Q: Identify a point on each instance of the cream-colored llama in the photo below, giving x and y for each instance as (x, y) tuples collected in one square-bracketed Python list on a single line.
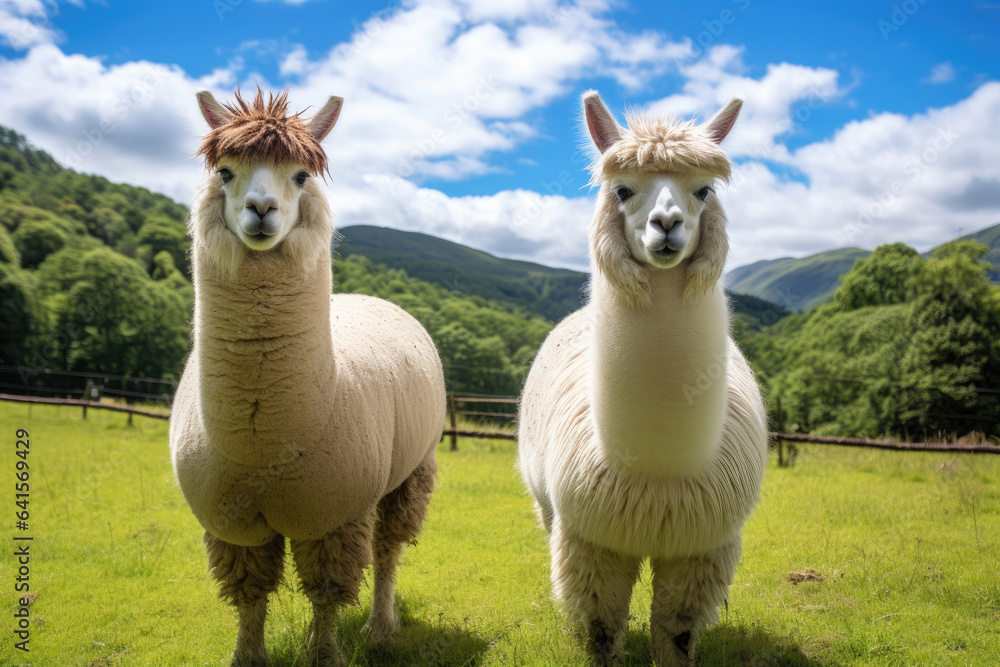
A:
[(300, 415), (642, 429)]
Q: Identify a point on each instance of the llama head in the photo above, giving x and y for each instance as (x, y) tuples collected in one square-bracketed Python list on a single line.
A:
[(657, 207), (263, 162)]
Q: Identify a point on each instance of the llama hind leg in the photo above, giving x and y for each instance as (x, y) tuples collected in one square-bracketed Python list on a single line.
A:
[(331, 569), (399, 519), (594, 585), (247, 576), (687, 594)]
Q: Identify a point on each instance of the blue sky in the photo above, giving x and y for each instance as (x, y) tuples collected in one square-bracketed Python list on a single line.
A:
[(843, 105)]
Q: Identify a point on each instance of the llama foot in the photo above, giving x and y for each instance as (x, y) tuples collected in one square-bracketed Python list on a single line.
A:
[(674, 652), (605, 644), (325, 652), (249, 659), (381, 628)]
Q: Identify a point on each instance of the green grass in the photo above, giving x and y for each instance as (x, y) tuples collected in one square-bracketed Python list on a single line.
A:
[(907, 544)]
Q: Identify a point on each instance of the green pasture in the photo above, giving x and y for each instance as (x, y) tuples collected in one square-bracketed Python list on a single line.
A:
[(907, 545)]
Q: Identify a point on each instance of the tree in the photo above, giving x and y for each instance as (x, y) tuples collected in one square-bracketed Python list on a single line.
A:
[(883, 278), (37, 239)]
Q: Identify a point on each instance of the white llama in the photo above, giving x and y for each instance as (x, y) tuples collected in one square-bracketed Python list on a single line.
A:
[(628, 451), (300, 415)]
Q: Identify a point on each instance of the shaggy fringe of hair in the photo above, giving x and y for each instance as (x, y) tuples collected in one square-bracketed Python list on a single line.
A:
[(657, 145), (262, 131), (650, 144), (214, 242)]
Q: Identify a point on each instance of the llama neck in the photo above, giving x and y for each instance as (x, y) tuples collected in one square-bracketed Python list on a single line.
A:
[(659, 381), (263, 343)]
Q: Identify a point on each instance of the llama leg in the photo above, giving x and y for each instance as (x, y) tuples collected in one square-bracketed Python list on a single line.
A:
[(594, 585), (247, 576), (687, 594), (399, 519), (331, 570)]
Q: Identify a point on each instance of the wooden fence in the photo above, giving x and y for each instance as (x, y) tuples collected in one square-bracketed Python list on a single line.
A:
[(86, 404), (454, 401)]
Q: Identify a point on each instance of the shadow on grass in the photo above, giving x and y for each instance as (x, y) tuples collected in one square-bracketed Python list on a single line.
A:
[(732, 646), (742, 645), (419, 642)]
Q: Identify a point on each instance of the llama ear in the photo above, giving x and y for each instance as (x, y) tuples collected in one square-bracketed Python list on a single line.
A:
[(723, 122), (215, 114), (600, 123), (321, 124)]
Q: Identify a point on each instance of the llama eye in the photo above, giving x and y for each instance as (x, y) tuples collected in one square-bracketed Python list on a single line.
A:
[(701, 194), (623, 193), (226, 174), (300, 178)]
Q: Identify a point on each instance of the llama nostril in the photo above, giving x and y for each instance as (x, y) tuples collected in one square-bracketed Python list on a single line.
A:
[(261, 204), (665, 224)]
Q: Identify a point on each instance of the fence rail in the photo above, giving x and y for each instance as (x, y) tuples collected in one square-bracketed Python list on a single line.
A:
[(454, 432), (85, 404)]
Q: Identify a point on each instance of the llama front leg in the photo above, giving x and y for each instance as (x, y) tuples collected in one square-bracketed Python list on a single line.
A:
[(595, 586), (331, 569), (399, 519), (687, 594), (247, 575)]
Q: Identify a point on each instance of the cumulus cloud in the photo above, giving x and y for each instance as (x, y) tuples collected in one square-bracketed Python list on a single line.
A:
[(921, 179), (26, 23), (435, 89)]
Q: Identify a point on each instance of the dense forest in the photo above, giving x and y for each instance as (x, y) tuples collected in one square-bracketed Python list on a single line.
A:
[(94, 277)]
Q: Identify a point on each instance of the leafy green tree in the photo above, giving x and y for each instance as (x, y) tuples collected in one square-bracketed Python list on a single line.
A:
[(884, 278), (37, 239), (163, 234), (21, 319), (8, 250), (121, 321)]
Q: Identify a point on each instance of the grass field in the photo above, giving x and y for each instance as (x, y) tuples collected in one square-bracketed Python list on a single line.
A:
[(908, 545)]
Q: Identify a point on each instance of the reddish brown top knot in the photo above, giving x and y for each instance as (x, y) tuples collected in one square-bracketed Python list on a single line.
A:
[(262, 131)]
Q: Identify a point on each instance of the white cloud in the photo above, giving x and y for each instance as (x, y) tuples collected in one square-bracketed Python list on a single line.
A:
[(942, 73), (436, 88), (920, 179), (25, 23), (774, 105)]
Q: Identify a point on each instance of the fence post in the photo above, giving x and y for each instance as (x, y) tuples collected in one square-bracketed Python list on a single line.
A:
[(781, 429), (451, 410), (84, 410)]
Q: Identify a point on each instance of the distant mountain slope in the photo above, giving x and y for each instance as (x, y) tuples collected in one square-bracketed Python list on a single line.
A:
[(800, 284), (796, 284), (553, 293)]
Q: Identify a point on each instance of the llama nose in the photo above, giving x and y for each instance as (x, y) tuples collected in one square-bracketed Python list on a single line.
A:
[(666, 221), (261, 203)]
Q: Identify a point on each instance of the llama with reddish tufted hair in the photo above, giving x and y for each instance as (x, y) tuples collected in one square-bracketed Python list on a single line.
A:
[(301, 415)]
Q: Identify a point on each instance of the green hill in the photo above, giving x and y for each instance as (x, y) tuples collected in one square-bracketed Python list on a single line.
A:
[(553, 293), (800, 284), (796, 284)]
